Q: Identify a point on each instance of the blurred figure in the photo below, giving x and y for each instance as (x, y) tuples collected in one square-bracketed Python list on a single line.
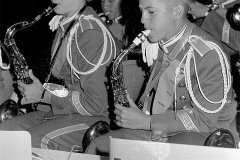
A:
[(216, 22), (123, 19)]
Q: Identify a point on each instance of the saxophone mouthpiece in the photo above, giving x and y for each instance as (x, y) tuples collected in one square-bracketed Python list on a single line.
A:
[(141, 37), (146, 32), (107, 13), (46, 12)]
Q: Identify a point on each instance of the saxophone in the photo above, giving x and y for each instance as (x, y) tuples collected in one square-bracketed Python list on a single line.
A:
[(117, 81), (20, 67), (10, 108), (119, 92)]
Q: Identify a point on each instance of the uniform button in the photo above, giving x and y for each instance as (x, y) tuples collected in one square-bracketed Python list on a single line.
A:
[(181, 71), (183, 98), (182, 85)]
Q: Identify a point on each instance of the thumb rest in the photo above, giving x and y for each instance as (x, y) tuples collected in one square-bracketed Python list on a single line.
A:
[(117, 79)]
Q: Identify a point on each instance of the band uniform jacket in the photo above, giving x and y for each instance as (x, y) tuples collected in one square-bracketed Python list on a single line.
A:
[(211, 82), (88, 93)]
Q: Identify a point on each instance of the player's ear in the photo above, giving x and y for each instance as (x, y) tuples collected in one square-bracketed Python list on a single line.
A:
[(178, 11)]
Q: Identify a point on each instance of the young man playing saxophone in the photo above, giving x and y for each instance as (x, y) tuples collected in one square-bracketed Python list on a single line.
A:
[(192, 97), (85, 52)]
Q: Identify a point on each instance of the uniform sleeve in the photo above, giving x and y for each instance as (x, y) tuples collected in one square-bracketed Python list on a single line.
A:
[(2, 94), (190, 117), (215, 24), (88, 93), (6, 85)]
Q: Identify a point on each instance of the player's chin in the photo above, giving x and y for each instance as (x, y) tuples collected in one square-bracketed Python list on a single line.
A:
[(152, 38)]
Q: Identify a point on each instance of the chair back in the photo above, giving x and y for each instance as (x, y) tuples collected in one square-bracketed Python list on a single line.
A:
[(134, 78)]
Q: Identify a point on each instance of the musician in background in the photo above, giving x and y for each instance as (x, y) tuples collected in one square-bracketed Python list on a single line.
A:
[(189, 93), (216, 23), (123, 19), (86, 50)]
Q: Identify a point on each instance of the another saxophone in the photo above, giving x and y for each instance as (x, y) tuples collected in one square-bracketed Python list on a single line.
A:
[(20, 67), (10, 108), (117, 80)]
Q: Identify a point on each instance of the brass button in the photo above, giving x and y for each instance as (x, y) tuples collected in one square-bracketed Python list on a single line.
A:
[(181, 71), (183, 98), (182, 85)]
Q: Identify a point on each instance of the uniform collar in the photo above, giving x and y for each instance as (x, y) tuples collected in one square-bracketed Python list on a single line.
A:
[(117, 19), (104, 17), (169, 45)]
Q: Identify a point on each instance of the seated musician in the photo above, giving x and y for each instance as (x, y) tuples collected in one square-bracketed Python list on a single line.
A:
[(83, 49), (189, 93)]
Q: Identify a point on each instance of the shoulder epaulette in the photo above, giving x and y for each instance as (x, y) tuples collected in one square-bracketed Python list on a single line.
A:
[(84, 24), (200, 45)]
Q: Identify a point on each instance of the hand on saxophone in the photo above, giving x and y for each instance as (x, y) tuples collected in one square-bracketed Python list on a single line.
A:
[(31, 92), (132, 117)]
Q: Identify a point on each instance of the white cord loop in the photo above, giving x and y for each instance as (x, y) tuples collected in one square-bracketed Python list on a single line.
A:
[(54, 23), (106, 35), (225, 73)]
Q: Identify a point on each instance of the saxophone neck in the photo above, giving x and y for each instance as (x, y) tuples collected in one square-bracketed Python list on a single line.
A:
[(8, 39), (119, 59), (138, 40)]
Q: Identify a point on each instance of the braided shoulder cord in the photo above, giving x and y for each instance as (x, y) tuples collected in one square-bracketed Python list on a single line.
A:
[(225, 73), (106, 34)]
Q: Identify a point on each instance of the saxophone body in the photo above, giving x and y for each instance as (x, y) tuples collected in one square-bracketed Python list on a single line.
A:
[(119, 91), (117, 80)]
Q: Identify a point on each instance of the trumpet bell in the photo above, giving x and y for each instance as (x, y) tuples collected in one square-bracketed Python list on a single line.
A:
[(233, 16), (8, 110), (97, 129), (221, 138)]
